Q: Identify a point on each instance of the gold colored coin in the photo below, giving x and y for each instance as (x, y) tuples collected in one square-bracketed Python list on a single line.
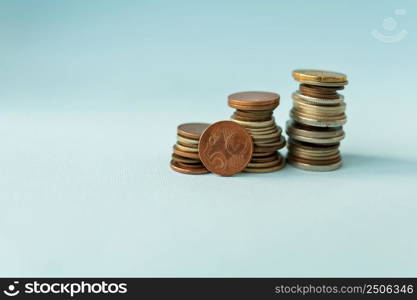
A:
[(319, 76), (187, 140), (186, 149), (192, 155), (255, 124)]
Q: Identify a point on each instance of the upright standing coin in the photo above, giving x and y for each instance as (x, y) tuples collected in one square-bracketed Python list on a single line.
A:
[(225, 148)]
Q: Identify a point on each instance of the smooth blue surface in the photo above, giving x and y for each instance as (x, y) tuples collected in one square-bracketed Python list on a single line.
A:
[(91, 94)]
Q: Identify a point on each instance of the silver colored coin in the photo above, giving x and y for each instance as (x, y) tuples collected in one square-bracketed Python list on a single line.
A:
[(333, 109), (314, 122), (298, 95), (331, 140), (314, 132), (317, 168)]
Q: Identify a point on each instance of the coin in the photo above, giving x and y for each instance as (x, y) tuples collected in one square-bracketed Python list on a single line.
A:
[(322, 89), (254, 113), (311, 76), (309, 167), (192, 155), (257, 107), (255, 124), (187, 145), (263, 164), (294, 128), (186, 149), (260, 137), (250, 119), (280, 143), (265, 158), (298, 95), (253, 98), (178, 158), (225, 148), (273, 127), (279, 164), (192, 130), (187, 141), (181, 168), (262, 154), (308, 120), (318, 162)]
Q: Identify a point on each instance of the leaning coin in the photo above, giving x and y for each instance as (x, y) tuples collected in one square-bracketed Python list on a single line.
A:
[(225, 148)]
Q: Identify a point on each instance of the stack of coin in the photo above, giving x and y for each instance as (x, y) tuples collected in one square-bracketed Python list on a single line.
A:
[(318, 113), (254, 111), (186, 158)]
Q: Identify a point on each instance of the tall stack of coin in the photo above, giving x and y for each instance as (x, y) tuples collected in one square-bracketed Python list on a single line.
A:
[(254, 111), (318, 114), (186, 158)]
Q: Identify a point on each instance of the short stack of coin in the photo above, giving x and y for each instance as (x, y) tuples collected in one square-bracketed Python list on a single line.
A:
[(185, 158), (318, 114), (254, 111)]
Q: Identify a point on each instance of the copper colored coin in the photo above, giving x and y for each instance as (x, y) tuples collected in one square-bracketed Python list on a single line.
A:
[(252, 113), (225, 148), (262, 154), (192, 130), (189, 166), (264, 159), (254, 107), (186, 170), (250, 119), (320, 96), (253, 98), (181, 159), (321, 89)]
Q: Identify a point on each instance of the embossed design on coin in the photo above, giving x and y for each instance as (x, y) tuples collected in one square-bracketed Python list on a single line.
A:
[(225, 148)]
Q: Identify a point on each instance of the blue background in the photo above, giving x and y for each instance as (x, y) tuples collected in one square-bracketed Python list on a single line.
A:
[(92, 91)]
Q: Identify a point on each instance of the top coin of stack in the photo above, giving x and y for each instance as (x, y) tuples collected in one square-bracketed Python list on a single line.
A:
[(254, 111), (317, 117), (186, 158)]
